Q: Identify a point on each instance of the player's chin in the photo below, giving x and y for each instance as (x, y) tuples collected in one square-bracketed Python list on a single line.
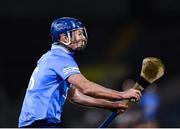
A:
[(81, 47)]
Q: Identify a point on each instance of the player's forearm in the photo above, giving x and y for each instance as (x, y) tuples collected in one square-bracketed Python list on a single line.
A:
[(92, 89), (79, 98), (99, 91)]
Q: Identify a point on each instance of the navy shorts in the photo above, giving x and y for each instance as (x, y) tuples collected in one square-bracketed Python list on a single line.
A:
[(43, 124)]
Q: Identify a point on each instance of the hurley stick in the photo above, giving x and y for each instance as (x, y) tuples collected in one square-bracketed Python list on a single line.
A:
[(152, 69)]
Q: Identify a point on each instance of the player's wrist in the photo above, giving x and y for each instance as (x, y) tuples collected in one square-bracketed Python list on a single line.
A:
[(122, 95)]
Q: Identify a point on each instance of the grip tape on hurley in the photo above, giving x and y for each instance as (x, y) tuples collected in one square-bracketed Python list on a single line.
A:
[(143, 82)]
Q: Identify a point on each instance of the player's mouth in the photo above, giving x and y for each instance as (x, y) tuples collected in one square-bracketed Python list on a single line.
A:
[(81, 45)]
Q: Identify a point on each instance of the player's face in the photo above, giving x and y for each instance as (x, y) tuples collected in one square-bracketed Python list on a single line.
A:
[(79, 40)]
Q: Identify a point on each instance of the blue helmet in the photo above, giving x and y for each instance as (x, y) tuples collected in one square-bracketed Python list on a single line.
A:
[(65, 25)]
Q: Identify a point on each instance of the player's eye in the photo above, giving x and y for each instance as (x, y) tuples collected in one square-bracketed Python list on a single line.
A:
[(81, 34)]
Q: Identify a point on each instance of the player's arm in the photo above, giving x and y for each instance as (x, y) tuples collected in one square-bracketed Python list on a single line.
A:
[(75, 96), (95, 90)]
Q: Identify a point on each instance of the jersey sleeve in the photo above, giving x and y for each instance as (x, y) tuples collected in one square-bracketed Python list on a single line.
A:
[(65, 66)]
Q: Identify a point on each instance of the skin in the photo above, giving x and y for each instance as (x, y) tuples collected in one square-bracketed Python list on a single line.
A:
[(88, 93), (78, 40), (78, 97)]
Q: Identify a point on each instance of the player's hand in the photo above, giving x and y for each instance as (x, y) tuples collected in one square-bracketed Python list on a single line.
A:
[(132, 93), (120, 111), (121, 107)]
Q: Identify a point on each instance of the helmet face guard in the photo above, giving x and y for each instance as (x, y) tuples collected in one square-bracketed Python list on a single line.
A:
[(66, 25)]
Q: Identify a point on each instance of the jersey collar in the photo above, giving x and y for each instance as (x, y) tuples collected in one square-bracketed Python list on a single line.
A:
[(61, 47)]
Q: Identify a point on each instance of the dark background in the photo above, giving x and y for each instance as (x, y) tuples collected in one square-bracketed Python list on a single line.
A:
[(121, 33)]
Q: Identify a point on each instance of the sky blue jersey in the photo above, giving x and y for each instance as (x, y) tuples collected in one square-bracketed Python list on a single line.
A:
[(48, 86)]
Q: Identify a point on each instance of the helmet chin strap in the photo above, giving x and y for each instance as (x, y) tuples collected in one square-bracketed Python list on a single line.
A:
[(69, 39)]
